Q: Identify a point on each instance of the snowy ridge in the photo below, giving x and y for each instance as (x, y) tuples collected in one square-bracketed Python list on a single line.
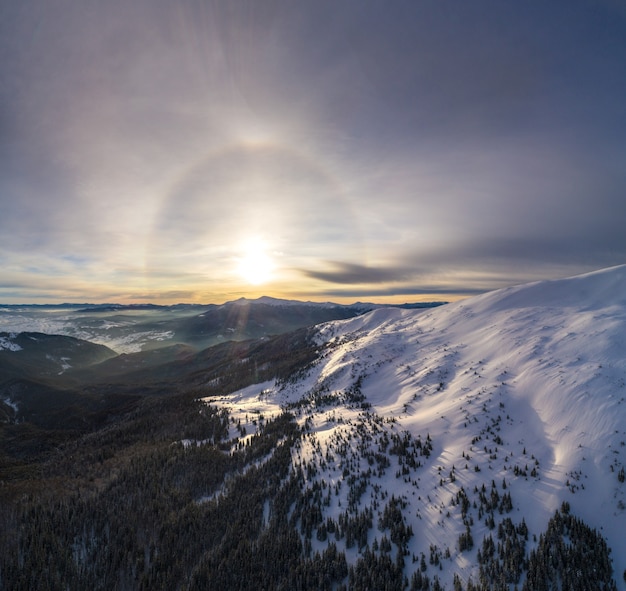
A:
[(523, 387)]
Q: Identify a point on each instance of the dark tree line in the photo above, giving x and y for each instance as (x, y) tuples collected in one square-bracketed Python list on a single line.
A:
[(570, 555), (145, 513)]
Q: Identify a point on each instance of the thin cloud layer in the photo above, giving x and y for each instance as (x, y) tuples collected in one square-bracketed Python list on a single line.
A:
[(350, 273), (389, 150)]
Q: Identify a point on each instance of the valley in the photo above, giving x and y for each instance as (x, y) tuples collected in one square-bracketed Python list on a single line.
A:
[(477, 445)]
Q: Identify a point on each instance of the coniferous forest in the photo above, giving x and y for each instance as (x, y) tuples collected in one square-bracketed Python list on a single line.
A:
[(160, 495), (132, 507)]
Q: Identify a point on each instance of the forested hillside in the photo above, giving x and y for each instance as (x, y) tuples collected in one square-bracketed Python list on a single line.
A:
[(477, 446)]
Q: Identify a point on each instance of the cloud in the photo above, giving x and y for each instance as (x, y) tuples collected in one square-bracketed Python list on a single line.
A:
[(180, 295), (416, 292), (352, 273), (447, 146)]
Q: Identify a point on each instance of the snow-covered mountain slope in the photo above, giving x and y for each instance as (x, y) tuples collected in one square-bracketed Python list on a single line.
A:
[(522, 390)]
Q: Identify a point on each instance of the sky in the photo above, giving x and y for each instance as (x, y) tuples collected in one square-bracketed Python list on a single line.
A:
[(344, 150)]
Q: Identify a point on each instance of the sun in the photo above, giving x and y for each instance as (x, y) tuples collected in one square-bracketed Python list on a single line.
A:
[(255, 266)]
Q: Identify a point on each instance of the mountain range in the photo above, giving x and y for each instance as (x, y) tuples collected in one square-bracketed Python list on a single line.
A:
[(143, 327), (476, 445)]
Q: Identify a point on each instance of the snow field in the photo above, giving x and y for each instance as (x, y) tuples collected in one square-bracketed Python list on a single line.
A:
[(523, 388)]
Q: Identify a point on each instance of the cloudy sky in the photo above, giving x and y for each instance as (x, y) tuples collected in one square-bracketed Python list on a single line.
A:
[(381, 150)]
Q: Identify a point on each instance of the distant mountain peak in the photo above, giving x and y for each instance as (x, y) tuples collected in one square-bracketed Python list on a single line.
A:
[(271, 301)]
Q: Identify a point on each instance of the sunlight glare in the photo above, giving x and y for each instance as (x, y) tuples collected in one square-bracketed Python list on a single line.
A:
[(255, 266)]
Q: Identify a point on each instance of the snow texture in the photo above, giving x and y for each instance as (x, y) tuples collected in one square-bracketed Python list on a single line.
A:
[(525, 387)]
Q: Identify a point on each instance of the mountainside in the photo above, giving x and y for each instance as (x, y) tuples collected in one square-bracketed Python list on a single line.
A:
[(34, 355), (478, 445), (525, 387), (245, 319), (146, 327), (38, 390)]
